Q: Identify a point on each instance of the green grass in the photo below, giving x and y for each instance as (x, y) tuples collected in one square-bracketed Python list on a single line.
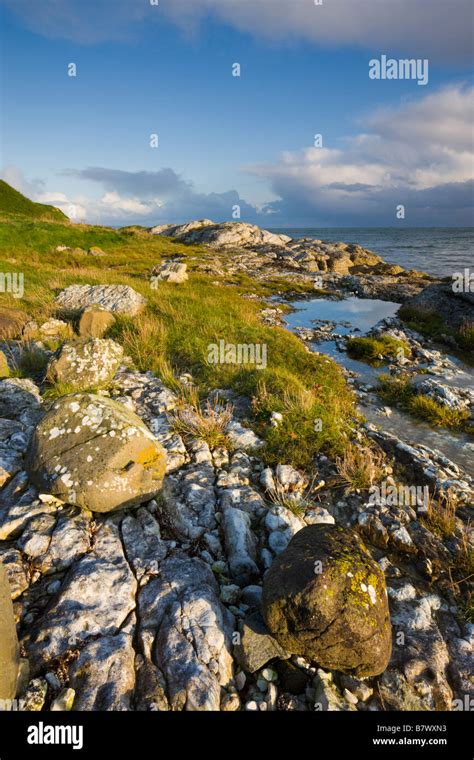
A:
[(400, 392), (173, 334), (13, 202), (371, 350), (431, 325)]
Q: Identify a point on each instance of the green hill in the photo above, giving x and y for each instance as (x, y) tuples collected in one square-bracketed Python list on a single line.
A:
[(13, 202)]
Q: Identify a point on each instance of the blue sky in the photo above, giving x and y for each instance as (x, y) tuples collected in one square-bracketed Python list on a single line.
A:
[(83, 142)]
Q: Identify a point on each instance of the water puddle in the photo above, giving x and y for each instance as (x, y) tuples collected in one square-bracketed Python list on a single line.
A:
[(356, 316)]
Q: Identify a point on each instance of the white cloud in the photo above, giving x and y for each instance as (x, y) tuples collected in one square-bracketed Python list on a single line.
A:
[(421, 146), (439, 29)]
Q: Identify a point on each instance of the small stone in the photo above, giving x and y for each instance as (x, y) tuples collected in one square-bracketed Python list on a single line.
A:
[(230, 594), (64, 701), (257, 647), (240, 680)]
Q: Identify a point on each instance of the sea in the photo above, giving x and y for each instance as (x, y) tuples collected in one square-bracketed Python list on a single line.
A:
[(440, 251)]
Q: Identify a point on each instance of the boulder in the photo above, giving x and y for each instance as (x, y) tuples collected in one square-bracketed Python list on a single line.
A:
[(453, 308), (93, 452), (9, 653), (103, 676), (85, 364), (94, 322), (120, 299), (325, 598), (172, 271)]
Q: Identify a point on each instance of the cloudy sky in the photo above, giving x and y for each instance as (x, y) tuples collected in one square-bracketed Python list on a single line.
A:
[(144, 68)]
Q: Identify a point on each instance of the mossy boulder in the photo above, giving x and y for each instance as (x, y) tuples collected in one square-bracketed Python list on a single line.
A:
[(9, 652), (93, 452), (325, 598)]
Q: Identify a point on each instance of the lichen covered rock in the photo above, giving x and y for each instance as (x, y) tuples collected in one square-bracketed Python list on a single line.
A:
[(85, 364), (121, 299), (325, 598), (93, 452)]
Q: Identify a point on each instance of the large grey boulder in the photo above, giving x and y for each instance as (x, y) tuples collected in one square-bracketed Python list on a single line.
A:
[(93, 452), (9, 654), (120, 299), (325, 598)]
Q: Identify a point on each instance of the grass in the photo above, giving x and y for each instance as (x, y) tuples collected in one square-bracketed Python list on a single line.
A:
[(375, 350), (431, 325), (441, 515), (359, 467), (180, 322), (206, 422), (14, 203), (400, 392)]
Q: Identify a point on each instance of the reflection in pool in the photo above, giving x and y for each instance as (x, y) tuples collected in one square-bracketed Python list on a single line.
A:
[(355, 314)]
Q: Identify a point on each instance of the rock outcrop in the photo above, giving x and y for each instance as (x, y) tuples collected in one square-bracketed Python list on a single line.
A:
[(440, 299)]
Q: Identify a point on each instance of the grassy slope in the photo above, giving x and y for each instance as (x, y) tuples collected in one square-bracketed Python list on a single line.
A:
[(180, 322), (15, 204)]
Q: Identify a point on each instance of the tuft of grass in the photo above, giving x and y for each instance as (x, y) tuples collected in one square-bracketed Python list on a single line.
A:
[(58, 389), (359, 467), (32, 361), (208, 422), (422, 320), (465, 335), (436, 414), (400, 392), (441, 515), (376, 350)]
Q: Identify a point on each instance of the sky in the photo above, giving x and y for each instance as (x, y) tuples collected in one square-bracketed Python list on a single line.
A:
[(390, 151)]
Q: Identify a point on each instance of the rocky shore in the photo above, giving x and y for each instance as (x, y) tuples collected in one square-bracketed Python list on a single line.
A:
[(151, 569)]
